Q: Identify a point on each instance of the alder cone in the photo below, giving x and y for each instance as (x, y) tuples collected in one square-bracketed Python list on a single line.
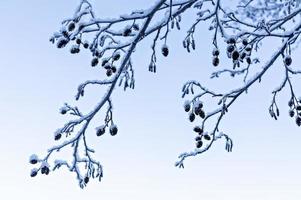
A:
[(86, 179), (57, 136), (109, 72), (199, 144), (187, 107), (202, 114), (235, 55), (127, 32), (198, 138), (288, 60), (207, 137), (215, 52), (33, 173), (116, 56), (215, 61), (192, 117), (245, 42), (197, 129), (113, 130), (100, 132), (298, 121), (71, 26), (230, 48), (291, 113), (45, 170), (86, 45), (63, 111), (61, 43), (113, 69), (231, 41), (94, 62), (248, 59), (33, 161), (78, 41), (165, 51)]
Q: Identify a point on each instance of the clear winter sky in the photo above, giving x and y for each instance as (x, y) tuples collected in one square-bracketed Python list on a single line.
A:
[(36, 79)]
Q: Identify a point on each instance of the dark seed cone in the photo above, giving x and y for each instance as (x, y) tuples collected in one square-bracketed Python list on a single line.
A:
[(33, 161), (191, 117), (78, 41), (109, 72), (116, 56), (288, 60), (230, 48), (113, 130), (197, 110), (63, 111), (243, 55), (104, 62), (235, 55), (86, 179), (248, 59), (86, 45), (165, 51), (291, 103), (231, 41), (197, 129), (113, 69), (61, 43), (57, 136), (127, 32), (202, 114), (107, 66), (215, 61), (187, 107), (71, 26), (248, 48), (199, 144), (97, 54), (215, 52), (198, 138), (207, 137), (94, 62), (100, 131), (33, 173), (298, 121), (45, 170), (74, 50), (245, 42)]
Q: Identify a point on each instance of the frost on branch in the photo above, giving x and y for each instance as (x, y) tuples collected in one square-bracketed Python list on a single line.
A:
[(238, 35)]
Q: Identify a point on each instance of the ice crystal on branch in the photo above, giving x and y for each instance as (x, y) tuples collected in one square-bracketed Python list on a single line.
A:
[(238, 34)]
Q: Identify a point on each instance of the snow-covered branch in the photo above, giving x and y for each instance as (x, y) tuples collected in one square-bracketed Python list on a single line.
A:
[(240, 47), (115, 40)]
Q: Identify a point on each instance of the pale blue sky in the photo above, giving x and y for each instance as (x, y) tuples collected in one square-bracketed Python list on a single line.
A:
[(36, 79)]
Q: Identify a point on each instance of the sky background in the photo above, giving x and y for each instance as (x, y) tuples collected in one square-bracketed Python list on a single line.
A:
[(37, 78)]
